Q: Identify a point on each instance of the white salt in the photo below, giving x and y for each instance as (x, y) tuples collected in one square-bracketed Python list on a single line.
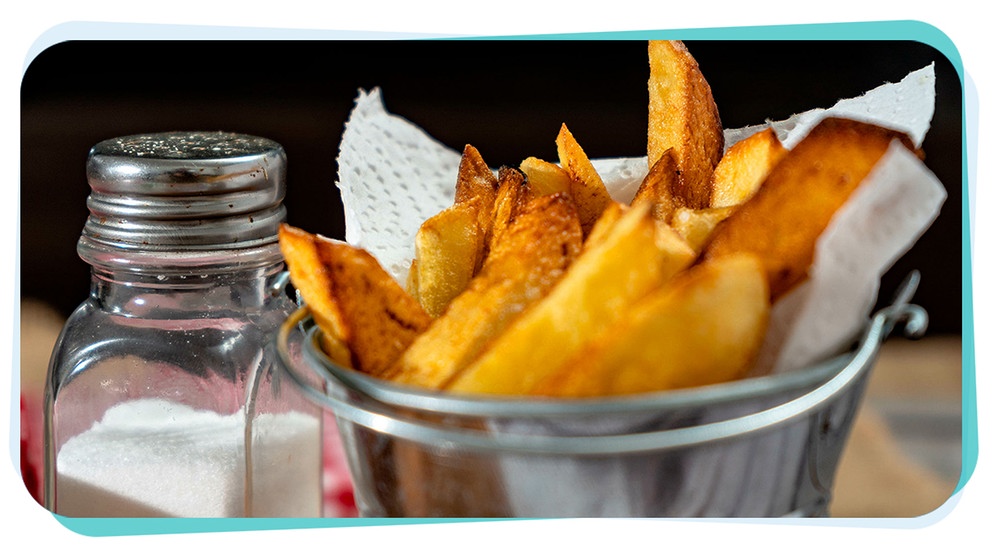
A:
[(157, 458)]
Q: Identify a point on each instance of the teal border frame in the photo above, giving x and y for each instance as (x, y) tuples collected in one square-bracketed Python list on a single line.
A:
[(880, 30)]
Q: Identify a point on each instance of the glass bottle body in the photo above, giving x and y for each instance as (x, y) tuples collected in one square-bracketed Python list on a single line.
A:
[(164, 399)]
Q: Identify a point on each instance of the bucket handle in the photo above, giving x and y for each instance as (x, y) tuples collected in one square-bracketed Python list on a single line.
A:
[(881, 325)]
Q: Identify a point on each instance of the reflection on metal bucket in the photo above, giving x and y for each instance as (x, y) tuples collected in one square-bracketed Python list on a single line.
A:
[(761, 447)]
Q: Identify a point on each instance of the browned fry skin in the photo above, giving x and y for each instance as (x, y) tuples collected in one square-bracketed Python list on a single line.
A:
[(477, 186), (662, 187), (587, 187), (683, 116), (475, 179), (512, 195), (380, 318), (300, 251), (602, 228), (782, 222), (451, 245), (532, 255), (634, 257)]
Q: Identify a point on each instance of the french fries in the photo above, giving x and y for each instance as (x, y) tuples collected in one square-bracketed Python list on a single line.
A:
[(512, 195), (586, 185), (683, 117), (447, 248), (532, 256), (360, 306), (477, 187), (743, 167), (662, 187), (545, 178), (475, 183), (535, 282), (697, 226), (300, 251), (783, 220), (632, 259), (704, 327)]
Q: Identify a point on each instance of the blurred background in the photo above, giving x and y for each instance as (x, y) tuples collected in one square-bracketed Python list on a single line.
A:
[(508, 99)]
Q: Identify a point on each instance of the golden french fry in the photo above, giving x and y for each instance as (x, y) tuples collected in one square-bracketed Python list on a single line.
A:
[(782, 221), (631, 261), (531, 257), (544, 177), (684, 117), (447, 248), (661, 187), (351, 295), (411, 284), (512, 195), (589, 192), (451, 245), (300, 251), (475, 180), (609, 217), (743, 167), (477, 186), (704, 327), (697, 225)]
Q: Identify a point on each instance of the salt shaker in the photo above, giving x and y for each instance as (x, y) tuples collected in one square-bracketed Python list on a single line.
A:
[(164, 397)]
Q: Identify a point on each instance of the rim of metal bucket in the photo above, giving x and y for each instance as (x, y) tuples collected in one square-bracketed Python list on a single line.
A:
[(372, 412)]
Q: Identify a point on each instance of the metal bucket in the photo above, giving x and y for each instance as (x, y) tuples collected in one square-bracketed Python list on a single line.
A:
[(760, 447)]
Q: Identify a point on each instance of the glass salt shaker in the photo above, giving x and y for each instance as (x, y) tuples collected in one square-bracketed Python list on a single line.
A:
[(164, 396)]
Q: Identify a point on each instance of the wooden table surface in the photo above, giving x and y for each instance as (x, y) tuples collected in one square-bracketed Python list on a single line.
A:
[(904, 456)]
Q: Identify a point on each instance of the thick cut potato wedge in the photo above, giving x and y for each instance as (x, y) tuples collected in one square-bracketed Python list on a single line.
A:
[(350, 294), (631, 261), (447, 249), (300, 251), (451, 245), (512, 195), (704, 327), (744, 166), (697, 225), (477, 186), (587, 187), (532, 256), (662, 187), (684, 117), (411, 284), (782, 222), (545, 178), (475, 180), (611, 215)]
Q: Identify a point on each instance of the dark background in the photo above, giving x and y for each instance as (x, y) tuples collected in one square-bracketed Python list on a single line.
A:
[(507, 98)]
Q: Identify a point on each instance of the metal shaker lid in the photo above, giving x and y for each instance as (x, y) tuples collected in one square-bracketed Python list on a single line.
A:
[(185, 191)]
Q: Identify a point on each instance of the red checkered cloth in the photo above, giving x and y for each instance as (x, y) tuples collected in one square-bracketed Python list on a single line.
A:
[(339, 498)]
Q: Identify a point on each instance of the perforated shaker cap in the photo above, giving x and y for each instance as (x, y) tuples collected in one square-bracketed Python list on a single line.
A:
[(183, 191)]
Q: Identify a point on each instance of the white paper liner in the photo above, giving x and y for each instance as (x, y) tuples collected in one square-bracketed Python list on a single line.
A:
[(392, 177), (906, 106)]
